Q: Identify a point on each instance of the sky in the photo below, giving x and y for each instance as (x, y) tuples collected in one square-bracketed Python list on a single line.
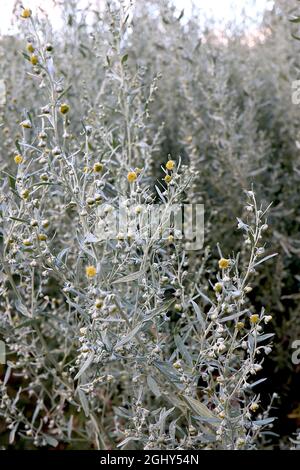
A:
[(221, 10)]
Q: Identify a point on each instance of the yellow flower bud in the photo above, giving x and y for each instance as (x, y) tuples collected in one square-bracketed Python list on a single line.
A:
[(168, 179), (42, 237), (254, 318), (170, 165), (98, 303), (26, 124), (34, 59), (254, 407), (218, 287), (25, 194), (98, 167), (30, 48), (18, 159), (26, 13), (223, 263), (90, 271), (132, 176), (64, 108)]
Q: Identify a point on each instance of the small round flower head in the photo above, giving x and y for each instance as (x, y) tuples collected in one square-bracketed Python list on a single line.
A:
[(26, 124), (27, 242), (254, 318), (267, 319), (30, 48), (170, 165), (34, 59), (64, 108), (171, 239), (18, 159), (45, 223), (254, 407), (98, 167), (90, 201), (25, 194), (90, 271), (240, 325), (223, 263), (218, 287), (42, 237), (56, 151), (26, 13), (168, 179), (98, 303), (132, 176)]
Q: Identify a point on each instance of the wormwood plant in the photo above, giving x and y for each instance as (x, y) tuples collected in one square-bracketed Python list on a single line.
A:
[(126, 341)]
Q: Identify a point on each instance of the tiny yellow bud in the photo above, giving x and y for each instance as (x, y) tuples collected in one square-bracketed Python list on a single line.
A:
[(98, 167), (168, 178), (240, 325), (132, 176), (42, 237), (254, 407), (170, 165), (218, 287), (254, 318), (18, 159), (27, 242), (177, 365), (170, 238), (98, 303), (34, 59), (223, 263), (30, 48), (25, 194), (64, 108), (45, 223), (26, 124), (90, 271), (26, 13)]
